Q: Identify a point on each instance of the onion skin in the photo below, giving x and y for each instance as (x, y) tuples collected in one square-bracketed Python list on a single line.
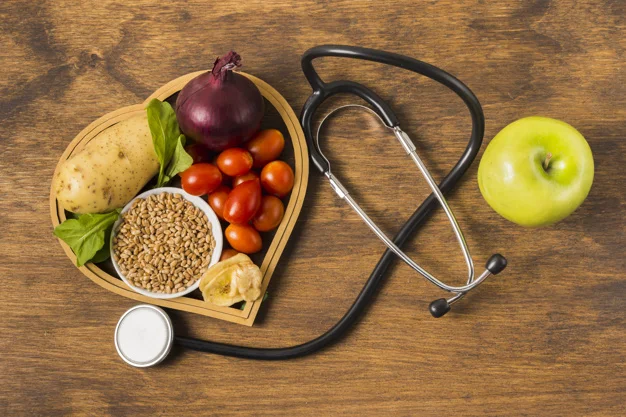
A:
[(220, 108)]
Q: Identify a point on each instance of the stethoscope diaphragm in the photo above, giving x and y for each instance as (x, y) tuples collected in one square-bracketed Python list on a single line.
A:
[(144, 336)]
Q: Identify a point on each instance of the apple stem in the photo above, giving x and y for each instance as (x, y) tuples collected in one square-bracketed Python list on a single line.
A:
[(546, 162)]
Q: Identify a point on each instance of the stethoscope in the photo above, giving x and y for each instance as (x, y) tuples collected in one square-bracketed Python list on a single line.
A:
[(321, 92)]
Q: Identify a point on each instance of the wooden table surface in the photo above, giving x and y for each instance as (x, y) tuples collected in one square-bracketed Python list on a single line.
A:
[(546, 337)]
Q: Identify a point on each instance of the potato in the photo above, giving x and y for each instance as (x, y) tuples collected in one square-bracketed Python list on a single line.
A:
[(110, 170)]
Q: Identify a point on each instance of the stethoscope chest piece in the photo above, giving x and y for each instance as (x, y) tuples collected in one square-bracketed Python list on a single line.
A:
[(144, 336)]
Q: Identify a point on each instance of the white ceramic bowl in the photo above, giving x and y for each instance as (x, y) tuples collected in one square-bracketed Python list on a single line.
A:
[(216, 229)]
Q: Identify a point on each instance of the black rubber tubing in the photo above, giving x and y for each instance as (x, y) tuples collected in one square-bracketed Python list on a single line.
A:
[(417, 218)]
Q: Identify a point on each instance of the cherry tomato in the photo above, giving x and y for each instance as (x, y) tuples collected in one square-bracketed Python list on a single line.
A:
[(269, 215), (198, 153), (217, 199), (227, 254), (243, 202), (245, 177), (201, 179), (277, 178), (234, 161), (243, 238), (265, 147), (226, 179)]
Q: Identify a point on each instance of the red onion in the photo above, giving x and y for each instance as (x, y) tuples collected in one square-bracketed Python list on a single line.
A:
[(220, 108)]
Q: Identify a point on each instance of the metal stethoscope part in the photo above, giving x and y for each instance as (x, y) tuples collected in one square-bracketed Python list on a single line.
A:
[(321, 92), (438, 307)]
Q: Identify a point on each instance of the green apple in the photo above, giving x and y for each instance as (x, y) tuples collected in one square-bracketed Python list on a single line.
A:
[(536, 171)]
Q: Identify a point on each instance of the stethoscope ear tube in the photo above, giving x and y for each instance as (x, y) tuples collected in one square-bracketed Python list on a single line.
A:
[(321, 91)]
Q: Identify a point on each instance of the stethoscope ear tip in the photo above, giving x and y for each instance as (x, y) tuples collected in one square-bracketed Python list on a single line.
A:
[(496, 264), (439, 308)]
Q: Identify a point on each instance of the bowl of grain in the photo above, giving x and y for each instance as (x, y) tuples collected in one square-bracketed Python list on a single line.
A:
[(163, 242)]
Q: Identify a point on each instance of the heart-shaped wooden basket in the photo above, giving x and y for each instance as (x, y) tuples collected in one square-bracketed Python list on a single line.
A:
[(279, 115)]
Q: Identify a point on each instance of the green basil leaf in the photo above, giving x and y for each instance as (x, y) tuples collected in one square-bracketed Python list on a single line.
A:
[(165, 132), (86, 234), (180, 160), (105, 252)]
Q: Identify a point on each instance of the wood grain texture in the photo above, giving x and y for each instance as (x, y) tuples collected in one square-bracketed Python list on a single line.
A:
[(547, 337)]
